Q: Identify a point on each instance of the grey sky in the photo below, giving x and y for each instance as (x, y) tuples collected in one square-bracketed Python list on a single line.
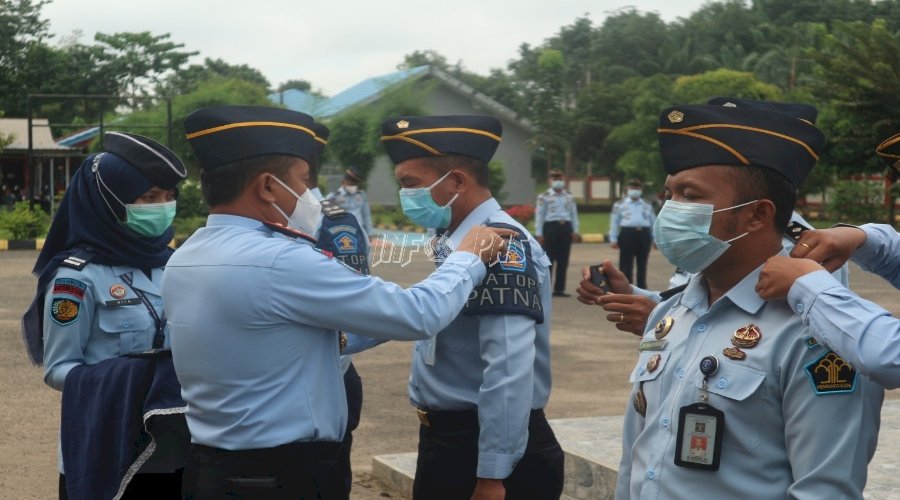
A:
[(336, 43)]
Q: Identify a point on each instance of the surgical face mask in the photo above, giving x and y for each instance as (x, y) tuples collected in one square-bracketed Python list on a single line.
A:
[(350, 189), (558, 184), (306, 210), (149, 219), (634, 193), (419, 206), (681, 233)]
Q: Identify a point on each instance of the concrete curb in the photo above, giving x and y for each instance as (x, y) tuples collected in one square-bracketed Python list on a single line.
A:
[(36, 244)]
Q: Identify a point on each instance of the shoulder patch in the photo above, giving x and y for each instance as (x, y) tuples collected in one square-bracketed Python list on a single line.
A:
[(64, 311), (831, 374), (69, 286), (511, 284)]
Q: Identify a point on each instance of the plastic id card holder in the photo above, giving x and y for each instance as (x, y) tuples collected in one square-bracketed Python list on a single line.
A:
[(701, 429)]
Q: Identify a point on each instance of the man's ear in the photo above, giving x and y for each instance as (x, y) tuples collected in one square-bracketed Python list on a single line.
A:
[(264, 187), (461, 179), (761, 215)]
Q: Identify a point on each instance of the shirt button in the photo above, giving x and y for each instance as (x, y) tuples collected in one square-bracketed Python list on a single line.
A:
[(800, 308), (681, 373), (651, 474), (701, 327), (721, 383), (126, 324), (664, 422)]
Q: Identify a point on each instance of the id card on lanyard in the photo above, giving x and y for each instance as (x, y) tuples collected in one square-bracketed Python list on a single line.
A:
[(159, 337), (701, 428)]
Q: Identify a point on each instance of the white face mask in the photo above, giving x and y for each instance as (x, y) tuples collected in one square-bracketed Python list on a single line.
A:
[(350, 189), (306, 210)]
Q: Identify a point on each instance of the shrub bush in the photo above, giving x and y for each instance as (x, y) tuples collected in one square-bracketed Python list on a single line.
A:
[(24, 222)]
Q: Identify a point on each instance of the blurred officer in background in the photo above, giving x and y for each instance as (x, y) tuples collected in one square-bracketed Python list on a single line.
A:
[(630, 231), (556, 226), (353, 199)]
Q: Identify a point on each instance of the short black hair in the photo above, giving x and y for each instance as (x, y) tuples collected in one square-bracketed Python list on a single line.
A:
[(760, 183), (474, 166), (224, 184)]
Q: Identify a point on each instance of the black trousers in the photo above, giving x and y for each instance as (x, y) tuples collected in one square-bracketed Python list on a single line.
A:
[(161, 486), (448, 460), (634, 244), (288, 472), (354, 390), (558, 245)]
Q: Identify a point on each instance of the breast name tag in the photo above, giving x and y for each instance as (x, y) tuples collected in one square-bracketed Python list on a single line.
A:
[(701, 429)]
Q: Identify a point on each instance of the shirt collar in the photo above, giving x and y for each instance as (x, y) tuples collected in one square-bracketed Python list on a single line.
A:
[(743, 295), (475, 217), (232, 220)]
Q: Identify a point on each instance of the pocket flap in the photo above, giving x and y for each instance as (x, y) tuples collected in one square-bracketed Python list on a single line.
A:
[(734, 381), (647, 369)]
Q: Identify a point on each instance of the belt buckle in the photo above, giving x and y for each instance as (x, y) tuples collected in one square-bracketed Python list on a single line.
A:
[(423, 417)]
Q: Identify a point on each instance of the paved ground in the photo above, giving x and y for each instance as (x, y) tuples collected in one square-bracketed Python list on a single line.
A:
[(591, 361)]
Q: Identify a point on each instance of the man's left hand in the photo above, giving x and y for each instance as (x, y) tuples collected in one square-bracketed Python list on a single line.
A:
[(489, 489), (780, 273), (576, 238)]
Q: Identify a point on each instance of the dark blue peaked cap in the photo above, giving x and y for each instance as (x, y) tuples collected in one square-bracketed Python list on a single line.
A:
[(220, 135), (153, 160), (408, 137), (802, 111), (698, 135), (889, 151), (321, 138)]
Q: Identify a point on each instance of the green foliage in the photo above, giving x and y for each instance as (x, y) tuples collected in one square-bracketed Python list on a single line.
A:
[(23, 222), (189, 79), (697, 89), (186, 226), (190, 200), (857, 202), (496, 179)]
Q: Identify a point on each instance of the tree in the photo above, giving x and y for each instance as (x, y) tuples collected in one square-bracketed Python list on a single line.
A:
[(140, 61), (297, 84), (424, 58), (183, 81)]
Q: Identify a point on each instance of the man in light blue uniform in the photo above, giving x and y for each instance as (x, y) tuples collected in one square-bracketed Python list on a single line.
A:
[(556, 226), (254, 311), (731, 395), (353, 199), (864, 333), (481, 384), (630, 232)]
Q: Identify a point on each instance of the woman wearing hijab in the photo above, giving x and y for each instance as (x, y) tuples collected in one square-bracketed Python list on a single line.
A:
[(98, 325)]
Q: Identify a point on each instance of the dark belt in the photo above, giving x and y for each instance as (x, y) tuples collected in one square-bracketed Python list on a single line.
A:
[(455, 420), (314, 450), (561, 222), (638, 229)]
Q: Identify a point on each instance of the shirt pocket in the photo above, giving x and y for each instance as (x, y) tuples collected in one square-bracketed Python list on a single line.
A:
[(131, 325), (740, 400)]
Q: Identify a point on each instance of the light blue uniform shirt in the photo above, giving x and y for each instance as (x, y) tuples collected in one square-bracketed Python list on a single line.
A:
[(782, 439), (864, 333), (630, 213), (253, 316), (101, 329), (498, 364), (356, 203), (555, 205)]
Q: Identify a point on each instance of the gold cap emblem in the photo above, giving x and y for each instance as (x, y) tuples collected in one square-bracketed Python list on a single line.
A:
[(403, 124), (746, 337), (663, 326), (676, 116)]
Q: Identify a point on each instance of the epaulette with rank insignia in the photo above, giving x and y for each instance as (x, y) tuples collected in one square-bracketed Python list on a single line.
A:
[(79, 259), (289, 232), (795, 229), (331, 209)]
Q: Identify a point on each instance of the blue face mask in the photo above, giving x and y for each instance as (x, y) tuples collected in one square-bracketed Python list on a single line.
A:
[(681, 232), (419, 206)]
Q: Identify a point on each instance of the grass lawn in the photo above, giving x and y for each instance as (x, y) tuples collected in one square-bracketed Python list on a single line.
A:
[(597, 222)]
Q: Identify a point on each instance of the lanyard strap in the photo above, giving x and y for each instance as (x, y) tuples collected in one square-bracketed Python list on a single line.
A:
[(160, 337)]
